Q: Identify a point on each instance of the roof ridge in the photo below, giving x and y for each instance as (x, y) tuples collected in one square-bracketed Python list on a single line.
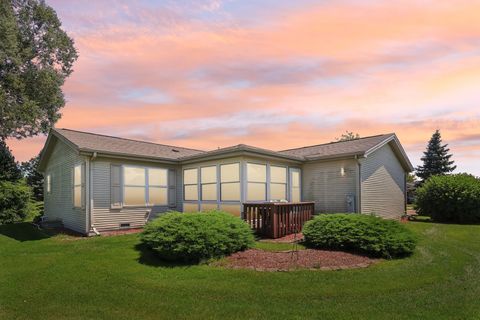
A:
[(334, 142), (128, 139)]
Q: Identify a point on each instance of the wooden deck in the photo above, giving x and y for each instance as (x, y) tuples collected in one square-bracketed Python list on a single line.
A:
[(276, 220)]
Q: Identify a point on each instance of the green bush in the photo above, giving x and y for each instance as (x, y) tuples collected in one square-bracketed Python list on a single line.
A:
[(450, 198), (360, 233), (192, 237), (15, 200)]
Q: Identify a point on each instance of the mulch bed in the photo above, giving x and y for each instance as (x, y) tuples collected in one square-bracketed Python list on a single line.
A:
[(302, 259)]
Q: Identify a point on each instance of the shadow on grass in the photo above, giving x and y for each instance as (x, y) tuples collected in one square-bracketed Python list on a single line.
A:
[(24, 232), (150, 258)]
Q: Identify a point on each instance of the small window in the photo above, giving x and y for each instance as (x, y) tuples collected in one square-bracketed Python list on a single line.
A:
[(48, 182), (208, 177), (256, 182), (295, 193), (190, 184), (78, 186), (230, 182)]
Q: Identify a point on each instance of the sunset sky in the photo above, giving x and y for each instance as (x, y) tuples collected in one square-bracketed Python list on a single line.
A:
[(274, 74)]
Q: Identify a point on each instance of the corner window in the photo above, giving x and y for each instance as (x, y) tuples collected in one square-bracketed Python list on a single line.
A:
[(145, 186), (256, 182), (295, 193), (208, 182), (278, 183), (78, 186), (48, 183), (230, 182), (190, 184)]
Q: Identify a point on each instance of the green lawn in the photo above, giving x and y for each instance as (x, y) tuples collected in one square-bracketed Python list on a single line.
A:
[(61, 277)]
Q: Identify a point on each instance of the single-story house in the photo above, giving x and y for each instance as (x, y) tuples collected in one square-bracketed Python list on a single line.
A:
[(95, 182)]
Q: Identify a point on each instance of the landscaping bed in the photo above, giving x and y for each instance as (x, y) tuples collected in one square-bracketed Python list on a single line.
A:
[(261, 260)]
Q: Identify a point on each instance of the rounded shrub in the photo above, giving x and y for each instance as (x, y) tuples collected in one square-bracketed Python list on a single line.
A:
[(450, 198), (14, 201), (192, 237), (360, 233)]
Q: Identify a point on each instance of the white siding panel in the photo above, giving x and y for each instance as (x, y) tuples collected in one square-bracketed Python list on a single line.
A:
[(383, 184), (106, 218), (324, 184), (59, 203)]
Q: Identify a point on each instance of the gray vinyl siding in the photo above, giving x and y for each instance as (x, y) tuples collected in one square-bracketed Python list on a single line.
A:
[(59, 202), (106, 218), (324, 184), (383, 184)]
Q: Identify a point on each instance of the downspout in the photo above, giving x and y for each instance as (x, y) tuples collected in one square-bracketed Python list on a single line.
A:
[(90, 195)]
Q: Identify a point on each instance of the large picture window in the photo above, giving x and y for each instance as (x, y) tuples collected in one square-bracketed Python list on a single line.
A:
[(190, 184), (208, 181), (230, 182), (278, 183), (256, 182), (78, 186), (145, 186)]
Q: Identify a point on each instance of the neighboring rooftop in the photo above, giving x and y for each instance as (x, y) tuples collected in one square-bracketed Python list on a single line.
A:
[(338, 148), (86, 141)]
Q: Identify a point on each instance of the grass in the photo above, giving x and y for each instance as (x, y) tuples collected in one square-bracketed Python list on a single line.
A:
[(59, 277)]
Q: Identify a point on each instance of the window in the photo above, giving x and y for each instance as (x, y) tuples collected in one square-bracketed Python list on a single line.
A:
[(295, 195), (190, 184), (145, 186), (208, 181), (230, 182), (157, 186), (256, 182), (78, 186), (48, 182), (278, 183)]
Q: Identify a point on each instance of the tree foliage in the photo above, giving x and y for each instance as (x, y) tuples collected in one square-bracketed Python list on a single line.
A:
[(436, 159), (15, 201), (33, 177), (36, 56), (347, 136), (9, 170)]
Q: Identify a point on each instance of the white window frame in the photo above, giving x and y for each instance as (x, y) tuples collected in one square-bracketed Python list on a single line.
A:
[(146, 187), (191, 184), (256, 182), (78, 184), (285, 184), (48, 183), (290, 189), (219, 178), (199, 173)]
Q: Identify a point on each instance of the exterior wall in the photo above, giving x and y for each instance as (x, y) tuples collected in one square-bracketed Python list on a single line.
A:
[(106, 218), (324, 184), (383, 184), (59, 202)]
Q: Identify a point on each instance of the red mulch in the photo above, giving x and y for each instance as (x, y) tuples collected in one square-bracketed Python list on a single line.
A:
[(302, 259)]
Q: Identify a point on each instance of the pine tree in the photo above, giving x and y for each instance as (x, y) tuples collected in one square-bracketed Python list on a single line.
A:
[(9, 170), (34, 178), (436, 160)]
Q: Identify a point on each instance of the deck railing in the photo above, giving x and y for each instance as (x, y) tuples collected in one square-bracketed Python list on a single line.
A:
[(276, 220)]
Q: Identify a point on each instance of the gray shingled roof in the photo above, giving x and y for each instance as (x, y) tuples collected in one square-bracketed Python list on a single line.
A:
[(85, 141), (357, 146), (92, 142)]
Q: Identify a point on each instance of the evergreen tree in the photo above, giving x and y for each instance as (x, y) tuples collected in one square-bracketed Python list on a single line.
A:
[(9, 170), (34, 178), (436, 160)]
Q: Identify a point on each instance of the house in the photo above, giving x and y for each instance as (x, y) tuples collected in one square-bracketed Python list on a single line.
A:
[(95, 183)]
